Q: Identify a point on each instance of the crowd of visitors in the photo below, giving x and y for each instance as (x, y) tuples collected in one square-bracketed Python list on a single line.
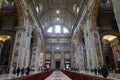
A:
[(101, 71), (97, 71), (22, 71)]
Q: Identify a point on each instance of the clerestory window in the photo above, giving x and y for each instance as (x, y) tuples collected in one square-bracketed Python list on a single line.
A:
[(58, 29)]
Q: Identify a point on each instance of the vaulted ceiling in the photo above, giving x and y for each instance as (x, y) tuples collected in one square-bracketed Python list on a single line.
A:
[(53, 12)]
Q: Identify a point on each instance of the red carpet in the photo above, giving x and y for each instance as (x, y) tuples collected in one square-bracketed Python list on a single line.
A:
[(72, 75), (78, 76), (39, 76)]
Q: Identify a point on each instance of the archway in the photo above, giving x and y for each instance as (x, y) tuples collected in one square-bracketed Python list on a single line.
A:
[(6, 47), (11, 16), (103, 17)]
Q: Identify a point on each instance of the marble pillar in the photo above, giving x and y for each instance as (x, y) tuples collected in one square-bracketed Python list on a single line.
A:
[(90, 61), (37, 52), (53, 57), (27, 58), (75, 59), (116, 5), (81, 58), (98, 48), (62, 58), (15, 61)]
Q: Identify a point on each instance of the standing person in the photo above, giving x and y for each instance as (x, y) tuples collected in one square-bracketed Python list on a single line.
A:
[(14, 72), (18, 71), (95, 71), (27, 70), (104, 71), (99, 72), (22, 71)]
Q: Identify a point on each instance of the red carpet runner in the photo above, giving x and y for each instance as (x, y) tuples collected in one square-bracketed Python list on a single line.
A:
[(72, 75), (39, 76), (78, 76)]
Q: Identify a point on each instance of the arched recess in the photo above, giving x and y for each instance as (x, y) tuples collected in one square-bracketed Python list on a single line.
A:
[(19, 7), (6, 48), (10, 18), (98, 14), (111, 49)]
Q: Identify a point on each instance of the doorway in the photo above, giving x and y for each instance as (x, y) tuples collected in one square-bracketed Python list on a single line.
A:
[(57, 64)]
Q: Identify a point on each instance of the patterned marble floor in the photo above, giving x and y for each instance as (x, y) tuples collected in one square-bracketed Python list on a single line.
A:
[(58, 75)]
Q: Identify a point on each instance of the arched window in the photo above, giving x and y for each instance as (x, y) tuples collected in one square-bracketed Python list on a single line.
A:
[(65, 30), (57, 29), (61, 29), (50, 30)]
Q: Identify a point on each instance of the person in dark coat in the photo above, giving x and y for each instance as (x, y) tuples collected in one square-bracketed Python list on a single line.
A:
[(22, 71), (99, 71), (14, 72), (18, 71), (95, 71), (27, 70), (104, 71)]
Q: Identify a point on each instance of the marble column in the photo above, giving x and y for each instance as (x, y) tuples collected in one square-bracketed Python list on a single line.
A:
[(27, 44), (1, 1), (17, 49), (81, 58), (90, 61), (116, 5), (75, 59), (71, 55), (97, 44), (62, 58), (53, 57), (37, 52)]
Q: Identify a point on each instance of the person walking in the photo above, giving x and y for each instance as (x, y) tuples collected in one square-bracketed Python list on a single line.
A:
[(22, 72), (18, 71), (14, 72), (27, 70), (99, 72), (95, 71), (104, 71)]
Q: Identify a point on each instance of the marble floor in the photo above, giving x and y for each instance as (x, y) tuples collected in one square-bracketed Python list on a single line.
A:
[(58, 75)]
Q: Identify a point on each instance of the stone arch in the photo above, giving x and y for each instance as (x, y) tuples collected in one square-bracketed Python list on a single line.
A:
[(94, 12), (111, 33), (18, 5)]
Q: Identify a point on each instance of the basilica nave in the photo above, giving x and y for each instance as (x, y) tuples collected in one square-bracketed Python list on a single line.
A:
[(75, 35)]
